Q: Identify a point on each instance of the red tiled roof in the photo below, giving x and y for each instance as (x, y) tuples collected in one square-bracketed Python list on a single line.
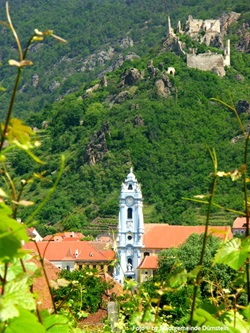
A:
[(239, 222), (70, 239), (48, 238), (40, 284), (70, 234), (74, 250), (105, 239), (149, 262), (163, 236), (64, 236)]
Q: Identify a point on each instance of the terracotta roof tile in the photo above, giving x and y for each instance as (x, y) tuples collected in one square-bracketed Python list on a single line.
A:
[(239, 222), (74, 250), (48, 238), (40, 284), (70, 239), (149, 262), (64, 236), (162, 236)]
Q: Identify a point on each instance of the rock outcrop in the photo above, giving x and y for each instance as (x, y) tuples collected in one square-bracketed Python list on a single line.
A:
[(138, 120), (152, 70), (121, 97), (163, 86), (243, 107), (243, 44), (226, 20), (97, 146), (132, 77), (162, 90), (54, 85), (35, 80)]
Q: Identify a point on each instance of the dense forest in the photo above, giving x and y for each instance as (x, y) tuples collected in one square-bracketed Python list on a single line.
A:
[(104, 123)]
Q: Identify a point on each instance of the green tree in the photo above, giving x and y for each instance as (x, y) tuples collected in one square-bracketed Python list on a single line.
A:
[(84, 292)]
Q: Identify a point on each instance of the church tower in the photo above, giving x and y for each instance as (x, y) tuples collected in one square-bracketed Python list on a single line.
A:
[(130, 230)]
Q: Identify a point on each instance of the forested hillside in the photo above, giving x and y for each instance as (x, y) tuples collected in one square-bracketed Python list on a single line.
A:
[(100, 35), (104, 124)]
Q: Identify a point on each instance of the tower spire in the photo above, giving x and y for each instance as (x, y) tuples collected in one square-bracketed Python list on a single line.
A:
[(130, 229)]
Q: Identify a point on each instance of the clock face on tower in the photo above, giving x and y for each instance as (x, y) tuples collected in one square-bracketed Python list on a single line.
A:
[(129, 201)]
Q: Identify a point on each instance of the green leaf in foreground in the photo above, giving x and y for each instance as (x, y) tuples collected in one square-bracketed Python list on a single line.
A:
[(178, 279), (16, 296), (55, 323), (11, 234), (208, 323), (236, 320), (234, 253), (25, 322)]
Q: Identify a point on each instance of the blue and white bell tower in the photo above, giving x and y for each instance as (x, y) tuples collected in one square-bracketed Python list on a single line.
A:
[(130, 229)]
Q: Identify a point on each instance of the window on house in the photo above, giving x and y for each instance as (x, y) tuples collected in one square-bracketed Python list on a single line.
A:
[(130, 213), (68, 268), (146, 254), (80, 267)]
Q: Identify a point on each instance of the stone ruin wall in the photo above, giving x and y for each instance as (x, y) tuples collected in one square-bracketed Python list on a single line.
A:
[(213, 25), (211, 29), (206, 62), (194, 26)]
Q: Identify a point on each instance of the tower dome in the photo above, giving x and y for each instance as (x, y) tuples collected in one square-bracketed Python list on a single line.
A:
[(131, 176)]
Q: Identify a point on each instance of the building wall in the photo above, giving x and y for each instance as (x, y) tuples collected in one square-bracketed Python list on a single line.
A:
[(238, 231), (194, 26), (212, 25), (69, 265), (145, 274), (206, 61)]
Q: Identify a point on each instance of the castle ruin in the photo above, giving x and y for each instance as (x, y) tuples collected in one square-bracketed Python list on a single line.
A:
[(208, 32)]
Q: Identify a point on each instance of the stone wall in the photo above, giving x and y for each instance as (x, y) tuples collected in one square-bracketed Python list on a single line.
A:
[(208, 32), (206, 62), (195, 26)]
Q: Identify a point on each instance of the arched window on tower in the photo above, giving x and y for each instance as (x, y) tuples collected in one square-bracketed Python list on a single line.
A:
[(130, 213), (130, 187), (130, 265)]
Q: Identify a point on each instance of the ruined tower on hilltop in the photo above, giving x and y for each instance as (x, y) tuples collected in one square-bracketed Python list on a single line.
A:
[(207, 32)]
